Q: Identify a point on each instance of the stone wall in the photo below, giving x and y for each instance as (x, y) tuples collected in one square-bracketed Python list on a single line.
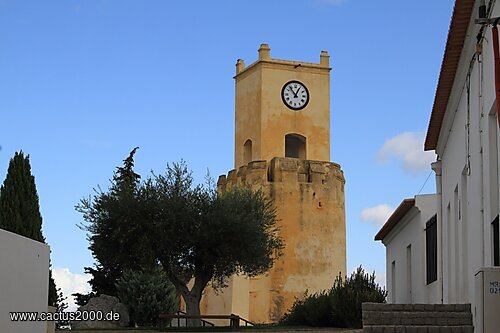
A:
[(309, 200)]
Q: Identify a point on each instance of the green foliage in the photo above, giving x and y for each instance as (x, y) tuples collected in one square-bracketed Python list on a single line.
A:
[(347, 297), (116, 219), (192, 231), (314, 310), (61, 304), (341, 305), (53, 296), (211, 236), (147, 294), (20, 208), (83, 299)]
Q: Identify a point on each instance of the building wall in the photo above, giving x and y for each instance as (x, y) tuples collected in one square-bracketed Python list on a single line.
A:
[(405, 249), (468, 170), (309, 198), (24, 276), (469, 166)]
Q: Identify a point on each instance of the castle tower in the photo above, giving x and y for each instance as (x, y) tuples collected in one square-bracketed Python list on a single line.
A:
[(282, 147), (267, 124)]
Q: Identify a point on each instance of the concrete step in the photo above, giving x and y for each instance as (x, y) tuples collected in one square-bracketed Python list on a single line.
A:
[(417, 318), (418, 329), (417, 307)]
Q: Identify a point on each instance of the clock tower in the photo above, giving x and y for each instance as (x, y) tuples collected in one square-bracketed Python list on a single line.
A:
[(282, 109), (282, 148)]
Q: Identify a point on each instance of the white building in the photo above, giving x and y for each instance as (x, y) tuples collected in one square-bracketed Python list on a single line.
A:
[(410, 237), (464, 133), (24, 280)]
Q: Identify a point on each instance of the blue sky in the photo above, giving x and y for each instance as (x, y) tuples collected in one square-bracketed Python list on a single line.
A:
[(83, 82)]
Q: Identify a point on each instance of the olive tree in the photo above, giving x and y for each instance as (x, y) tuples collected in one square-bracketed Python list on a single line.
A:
[(198, 235)]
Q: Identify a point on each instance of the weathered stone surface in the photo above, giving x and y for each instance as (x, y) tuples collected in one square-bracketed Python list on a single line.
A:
[(104, 304)]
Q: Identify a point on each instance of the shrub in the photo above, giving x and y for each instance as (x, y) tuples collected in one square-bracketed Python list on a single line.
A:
[(347, 297), (313, 310), (147, 294), (340, 306)]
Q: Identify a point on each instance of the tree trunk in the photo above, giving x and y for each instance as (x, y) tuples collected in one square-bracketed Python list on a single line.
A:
[(192, 300)]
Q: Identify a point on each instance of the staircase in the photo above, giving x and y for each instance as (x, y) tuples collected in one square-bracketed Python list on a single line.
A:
[(417, 318)]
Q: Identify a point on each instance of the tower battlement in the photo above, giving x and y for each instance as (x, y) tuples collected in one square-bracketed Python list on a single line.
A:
[(281, 170)]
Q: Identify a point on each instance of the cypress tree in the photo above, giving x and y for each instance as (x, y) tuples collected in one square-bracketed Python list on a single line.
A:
[(20, 208)]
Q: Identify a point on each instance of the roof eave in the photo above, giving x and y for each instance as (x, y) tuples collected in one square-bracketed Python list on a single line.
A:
[(395, 217), (457, 33)]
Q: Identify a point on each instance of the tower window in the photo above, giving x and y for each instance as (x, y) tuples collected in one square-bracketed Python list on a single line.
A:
[(247, 152), (295, 146)]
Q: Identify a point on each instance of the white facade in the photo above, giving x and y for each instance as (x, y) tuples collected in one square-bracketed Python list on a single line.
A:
[(467, 168), (464, 133), (406, 255), (24, 278)]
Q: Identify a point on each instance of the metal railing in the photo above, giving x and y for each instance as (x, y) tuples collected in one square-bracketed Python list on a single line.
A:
[(181, 317)]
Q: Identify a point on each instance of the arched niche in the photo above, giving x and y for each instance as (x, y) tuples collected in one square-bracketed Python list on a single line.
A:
[(247, 152)]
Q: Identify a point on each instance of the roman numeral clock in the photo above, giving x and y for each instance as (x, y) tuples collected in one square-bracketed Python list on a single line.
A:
[(295, 95)]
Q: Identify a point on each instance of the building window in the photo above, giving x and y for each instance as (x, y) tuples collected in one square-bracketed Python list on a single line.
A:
[(431, 249), (496, 242), (295, 146), (393, 281), (408, 275)]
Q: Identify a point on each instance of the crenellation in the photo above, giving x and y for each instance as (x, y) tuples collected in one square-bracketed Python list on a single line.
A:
[(284, 170), (256, 172), (304, 172), (232, 177), (221, 182), (242, 175)]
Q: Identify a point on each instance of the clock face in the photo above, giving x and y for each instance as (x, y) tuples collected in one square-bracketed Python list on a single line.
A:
[(295, 95)]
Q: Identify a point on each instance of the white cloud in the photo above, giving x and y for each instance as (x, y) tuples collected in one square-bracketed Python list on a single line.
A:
[(378, 214), (70, 283), (380, 278), (409, 148)]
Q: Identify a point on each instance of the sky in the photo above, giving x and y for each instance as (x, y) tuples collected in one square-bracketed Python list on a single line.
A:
[(84, 82)]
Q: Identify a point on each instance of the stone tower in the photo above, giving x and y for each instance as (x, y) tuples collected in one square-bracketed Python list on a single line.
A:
[(282, 147)]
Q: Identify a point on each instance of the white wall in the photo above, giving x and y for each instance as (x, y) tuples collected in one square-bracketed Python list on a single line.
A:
[(410, 231), (24, 275), (469, 162), (468, 149)]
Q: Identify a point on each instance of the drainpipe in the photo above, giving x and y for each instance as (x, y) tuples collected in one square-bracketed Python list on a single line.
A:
[(496, 51), (436, 166)]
